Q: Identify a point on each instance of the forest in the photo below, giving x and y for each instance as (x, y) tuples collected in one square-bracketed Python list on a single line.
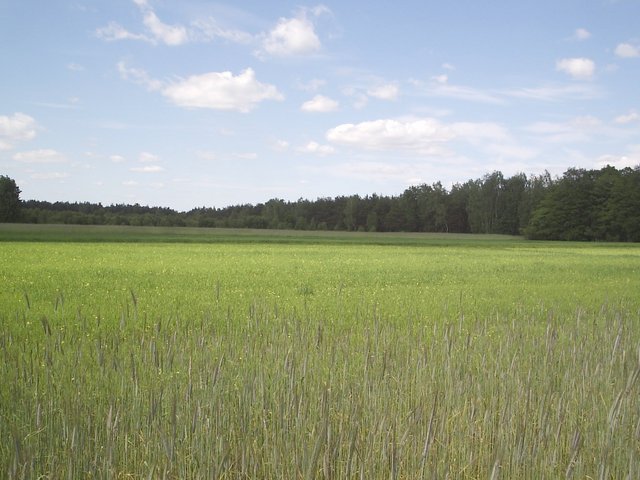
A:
[(582, 205)]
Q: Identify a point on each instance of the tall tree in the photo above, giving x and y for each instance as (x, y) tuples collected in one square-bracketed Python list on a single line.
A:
[(457, 216), (9, 200), (510, 202)]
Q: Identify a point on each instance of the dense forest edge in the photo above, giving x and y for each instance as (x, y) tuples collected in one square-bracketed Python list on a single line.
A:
[(580, 205)]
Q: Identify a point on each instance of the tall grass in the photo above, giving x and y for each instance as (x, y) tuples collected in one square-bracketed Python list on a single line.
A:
[(274, 391), (317, 361)]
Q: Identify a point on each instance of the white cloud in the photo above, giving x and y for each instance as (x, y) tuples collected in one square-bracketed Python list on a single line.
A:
[(581, 34), (626, 50), (147, 169), (40, 156), (15, 128), (630, 159), (384, 92), (579, 68), (429, 137), (158, 32), (117, 158), (221, 91), (130, 183), (147, 157), (291, 36), (317, 149), (168, 34), (628, 118), (320, 104), (423, 135)]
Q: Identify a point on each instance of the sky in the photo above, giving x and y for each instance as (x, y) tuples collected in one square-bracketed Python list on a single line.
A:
[(194, 103)]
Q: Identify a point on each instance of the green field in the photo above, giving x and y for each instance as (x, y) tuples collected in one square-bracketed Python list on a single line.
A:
[(195, 353)]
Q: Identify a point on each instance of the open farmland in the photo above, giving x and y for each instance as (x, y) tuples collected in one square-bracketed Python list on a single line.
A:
[(250, 355)]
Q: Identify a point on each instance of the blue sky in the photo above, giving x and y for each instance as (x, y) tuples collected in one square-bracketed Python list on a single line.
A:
[(200, 103)]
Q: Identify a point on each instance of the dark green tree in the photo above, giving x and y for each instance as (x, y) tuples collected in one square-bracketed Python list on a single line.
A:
[(457, 217), (9, 200), (510, 202)]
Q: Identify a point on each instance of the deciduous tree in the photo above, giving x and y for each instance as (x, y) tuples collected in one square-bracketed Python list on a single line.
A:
[(9, 200)]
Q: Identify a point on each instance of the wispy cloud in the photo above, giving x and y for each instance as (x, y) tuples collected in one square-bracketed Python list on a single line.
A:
[(138, 76), (40, 156), (579, 129), (246, 155), (439, 86), (312, 85), (147, 169), (158, 32), (75, 67), (49, 175), (281, 145), (368, 86), (146, 157), (556, 92), (627, 118), (114, 32), (208, 29)]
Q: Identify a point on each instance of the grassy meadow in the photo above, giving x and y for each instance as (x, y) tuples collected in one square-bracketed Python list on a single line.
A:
[(178, 353)]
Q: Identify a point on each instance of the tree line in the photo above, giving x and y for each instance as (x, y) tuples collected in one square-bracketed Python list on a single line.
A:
[(591, 205)]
